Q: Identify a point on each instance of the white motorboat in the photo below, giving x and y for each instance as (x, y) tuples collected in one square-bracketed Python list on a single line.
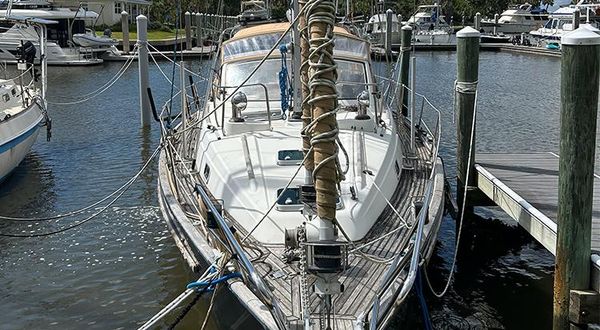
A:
[(91, 40), (561, 21), (61, 49), (22, 112), (233, 193), (376, 27), (517, 19), (430, 26)]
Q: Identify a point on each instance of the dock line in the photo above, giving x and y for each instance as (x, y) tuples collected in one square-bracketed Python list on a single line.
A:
[(120, 192), (104, 88)]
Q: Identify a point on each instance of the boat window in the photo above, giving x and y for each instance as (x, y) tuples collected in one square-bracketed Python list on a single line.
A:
[(527, 18), (206, 172), (5, 97), (253, 45), (268, 74), (351, 79), (262, 43)]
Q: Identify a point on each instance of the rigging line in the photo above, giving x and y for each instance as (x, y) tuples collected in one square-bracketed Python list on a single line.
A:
[(308, 153), (462, 212), (262, 61), (175, 302), (404, 222), (93, 96), (121, 189), (116, 76), (177, 64), (367, 256), (178, 10)]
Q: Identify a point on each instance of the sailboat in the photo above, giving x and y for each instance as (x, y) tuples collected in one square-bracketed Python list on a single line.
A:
[(240, 202), (22, 102)]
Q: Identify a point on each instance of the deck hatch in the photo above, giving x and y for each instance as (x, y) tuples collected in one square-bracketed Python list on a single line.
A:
[(289, 200), (289, 157)]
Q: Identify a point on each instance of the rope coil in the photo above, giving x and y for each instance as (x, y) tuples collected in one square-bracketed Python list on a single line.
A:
[(465, 87)]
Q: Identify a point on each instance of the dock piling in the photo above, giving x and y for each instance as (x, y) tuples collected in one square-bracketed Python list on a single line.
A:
[(576, 18), (477, 22), (388, 31), (125, 30), (188, 30), (580, 73), (467, 48), (199, 29), (405, 66), (496, 17), (142, 35)]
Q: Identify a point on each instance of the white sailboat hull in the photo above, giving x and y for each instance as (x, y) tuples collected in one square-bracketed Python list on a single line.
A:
[(17, 135)]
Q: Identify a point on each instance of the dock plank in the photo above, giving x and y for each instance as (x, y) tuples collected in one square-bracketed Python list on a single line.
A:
[(525, 185)]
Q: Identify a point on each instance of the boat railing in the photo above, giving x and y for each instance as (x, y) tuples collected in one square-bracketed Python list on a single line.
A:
[(184, 184), (412, 251), (266, 91), (240, 255)]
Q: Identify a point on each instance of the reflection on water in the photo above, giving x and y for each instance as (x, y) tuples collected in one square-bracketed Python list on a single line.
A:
[(120, 269)]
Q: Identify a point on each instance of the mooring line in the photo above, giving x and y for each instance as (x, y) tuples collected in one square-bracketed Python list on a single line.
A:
[(123, 189)]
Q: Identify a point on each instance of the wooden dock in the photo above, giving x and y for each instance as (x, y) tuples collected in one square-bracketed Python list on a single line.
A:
[(525, 186)]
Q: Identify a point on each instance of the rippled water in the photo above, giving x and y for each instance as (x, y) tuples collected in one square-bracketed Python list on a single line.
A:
[(119, 269)]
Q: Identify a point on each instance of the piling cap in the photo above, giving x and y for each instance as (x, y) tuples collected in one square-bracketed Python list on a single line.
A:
[(389, 11), (580, 37), (407, 28), (187, 13), (124, 13), (590, 27), (468, 32)]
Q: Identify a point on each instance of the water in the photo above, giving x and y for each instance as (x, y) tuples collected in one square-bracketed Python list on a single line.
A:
[(118, 270)]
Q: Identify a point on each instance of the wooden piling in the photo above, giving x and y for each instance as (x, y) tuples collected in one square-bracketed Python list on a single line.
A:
[(467, 63), (388, 32), (496, 17), (477, 22), (199, 28), (580, 72), (406, 35), (576, 18), (188, 30), (142, 35), (125, 29)]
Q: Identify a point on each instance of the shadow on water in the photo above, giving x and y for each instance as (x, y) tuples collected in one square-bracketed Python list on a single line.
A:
[(501, 281)]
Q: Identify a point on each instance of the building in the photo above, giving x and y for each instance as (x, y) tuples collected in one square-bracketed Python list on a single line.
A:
[(109, 11)]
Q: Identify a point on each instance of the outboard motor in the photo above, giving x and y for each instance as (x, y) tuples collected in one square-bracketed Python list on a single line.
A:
[(26, 56)]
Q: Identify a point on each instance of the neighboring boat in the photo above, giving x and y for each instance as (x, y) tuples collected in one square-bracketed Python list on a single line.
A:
[(60, 46), (517, 19), (90, 39), (431, 26), (232, 196), (561, 21), (22, 108), (375, 29), (494, 38)]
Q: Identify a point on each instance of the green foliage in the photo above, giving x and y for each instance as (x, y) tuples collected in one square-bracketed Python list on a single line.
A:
[(165, 11)]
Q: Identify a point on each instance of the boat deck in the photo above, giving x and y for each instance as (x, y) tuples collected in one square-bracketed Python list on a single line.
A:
[(362, 277)]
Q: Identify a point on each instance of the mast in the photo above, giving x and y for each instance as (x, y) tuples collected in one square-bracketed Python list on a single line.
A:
[(306, 109), (322, 78)]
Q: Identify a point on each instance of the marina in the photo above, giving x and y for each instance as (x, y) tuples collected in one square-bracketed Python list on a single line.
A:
[(218, 221)]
